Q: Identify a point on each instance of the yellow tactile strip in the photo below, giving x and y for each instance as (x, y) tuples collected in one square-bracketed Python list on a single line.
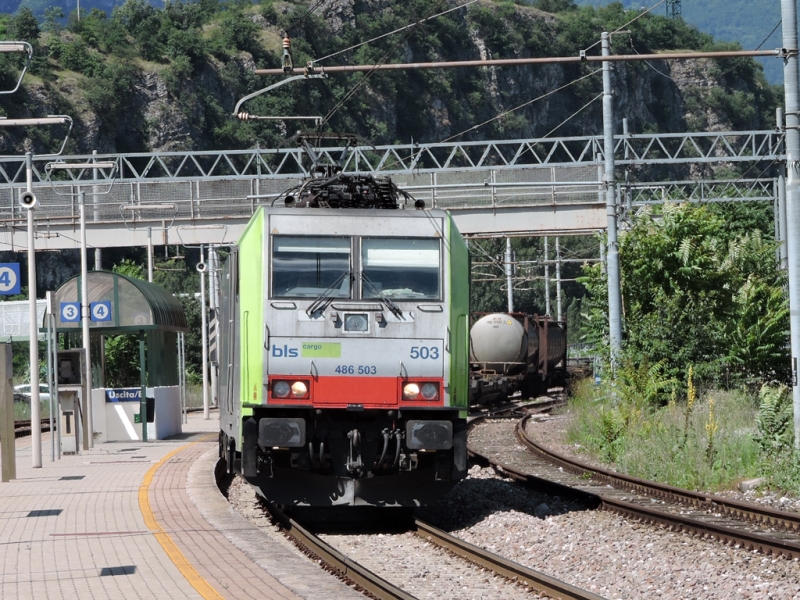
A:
[(169, 546), (202, 546)]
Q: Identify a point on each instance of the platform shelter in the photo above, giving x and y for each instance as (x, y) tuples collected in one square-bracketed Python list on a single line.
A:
[(120, 304)]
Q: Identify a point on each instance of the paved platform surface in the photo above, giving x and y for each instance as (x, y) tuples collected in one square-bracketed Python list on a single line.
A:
[(141, 520)]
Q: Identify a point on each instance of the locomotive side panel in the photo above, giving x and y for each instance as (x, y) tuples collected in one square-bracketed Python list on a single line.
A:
[(458, 300), (251, 312)]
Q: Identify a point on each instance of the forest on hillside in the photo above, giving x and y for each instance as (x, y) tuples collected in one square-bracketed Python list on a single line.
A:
[(750, 24), (144, 78)]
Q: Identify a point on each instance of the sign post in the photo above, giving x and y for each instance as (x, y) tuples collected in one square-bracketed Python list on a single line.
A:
[(143, 379), (7, 447), (9, 286)]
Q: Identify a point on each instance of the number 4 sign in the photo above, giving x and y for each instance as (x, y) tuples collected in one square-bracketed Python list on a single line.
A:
[(9, 279), (100, 311)]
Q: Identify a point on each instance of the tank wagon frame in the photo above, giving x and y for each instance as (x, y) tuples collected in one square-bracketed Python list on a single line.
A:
[(540, 361), (344, 353)]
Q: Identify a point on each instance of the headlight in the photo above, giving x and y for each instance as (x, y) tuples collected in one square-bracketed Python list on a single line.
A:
[(430, 391), (410, 391), (299, 389), (356, 322), (281, 389)]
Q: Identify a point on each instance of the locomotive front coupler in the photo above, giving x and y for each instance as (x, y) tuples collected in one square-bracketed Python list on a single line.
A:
[(355, 465)]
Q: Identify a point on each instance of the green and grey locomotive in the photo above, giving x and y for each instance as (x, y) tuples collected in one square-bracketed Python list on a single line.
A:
[(344, 348)]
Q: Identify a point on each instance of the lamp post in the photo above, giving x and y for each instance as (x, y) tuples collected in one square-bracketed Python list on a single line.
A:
[(28, 200), (88, 429), (201, 268)]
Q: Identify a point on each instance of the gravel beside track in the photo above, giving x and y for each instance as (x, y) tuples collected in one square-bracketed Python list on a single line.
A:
[(605, 553), (594, 550), (243, 500), (625, 559), (423, 569), (406, 560)]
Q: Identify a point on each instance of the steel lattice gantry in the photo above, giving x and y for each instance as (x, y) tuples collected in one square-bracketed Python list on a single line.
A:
[(516, 187)]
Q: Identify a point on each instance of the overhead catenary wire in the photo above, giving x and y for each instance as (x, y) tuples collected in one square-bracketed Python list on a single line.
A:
[(383, 35), (649, 64), (523, 105), (633, 20), (564, 122), (374, 68), (305, 16), (770, 34)]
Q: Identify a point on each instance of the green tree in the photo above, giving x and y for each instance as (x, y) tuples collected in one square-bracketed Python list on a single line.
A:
[(53, 15), (694, 294)]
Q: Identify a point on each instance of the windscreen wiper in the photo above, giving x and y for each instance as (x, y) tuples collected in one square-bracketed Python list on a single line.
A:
[(325, 298), (393, 308)]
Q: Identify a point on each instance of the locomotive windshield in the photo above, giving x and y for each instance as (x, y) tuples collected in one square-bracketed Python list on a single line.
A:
[(307, 266), (401, 268)]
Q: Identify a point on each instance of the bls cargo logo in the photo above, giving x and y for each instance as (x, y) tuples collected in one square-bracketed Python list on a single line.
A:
[(309, 350), (285, 351)]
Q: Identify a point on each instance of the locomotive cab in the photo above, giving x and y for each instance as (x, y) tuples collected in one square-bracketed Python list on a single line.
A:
[(350, 332)]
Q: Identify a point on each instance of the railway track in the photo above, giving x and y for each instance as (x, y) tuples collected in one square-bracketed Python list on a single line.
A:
[(23, 428), (518, 408), (509, 447), (519, 581)]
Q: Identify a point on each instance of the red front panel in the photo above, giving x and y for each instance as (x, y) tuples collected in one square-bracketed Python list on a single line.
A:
[(369, 392)]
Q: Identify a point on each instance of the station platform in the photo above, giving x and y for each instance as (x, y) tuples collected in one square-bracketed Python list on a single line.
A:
[(142, 520)]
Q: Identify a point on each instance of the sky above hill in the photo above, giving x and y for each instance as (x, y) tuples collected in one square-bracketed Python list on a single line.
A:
[(748, 22)]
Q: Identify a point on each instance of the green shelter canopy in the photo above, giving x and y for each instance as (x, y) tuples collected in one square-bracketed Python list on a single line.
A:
[(118, 304)]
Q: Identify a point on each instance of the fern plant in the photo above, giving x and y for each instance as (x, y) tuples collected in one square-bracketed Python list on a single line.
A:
[(774, 419), (611, 435)]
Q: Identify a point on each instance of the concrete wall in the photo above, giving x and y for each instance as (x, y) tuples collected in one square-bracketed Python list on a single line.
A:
[(114, 421)]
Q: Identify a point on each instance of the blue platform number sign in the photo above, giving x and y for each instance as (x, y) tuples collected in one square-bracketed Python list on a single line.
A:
[(70, 312), (100, 311), (9, 279)]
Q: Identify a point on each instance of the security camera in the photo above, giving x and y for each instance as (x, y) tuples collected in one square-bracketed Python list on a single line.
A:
[(28, 200), (201, 267)]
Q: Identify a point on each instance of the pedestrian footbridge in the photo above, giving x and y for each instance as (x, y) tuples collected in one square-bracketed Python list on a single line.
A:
[(496, 188)]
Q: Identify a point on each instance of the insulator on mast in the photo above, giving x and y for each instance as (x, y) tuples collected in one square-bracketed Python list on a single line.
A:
[(286, 60)]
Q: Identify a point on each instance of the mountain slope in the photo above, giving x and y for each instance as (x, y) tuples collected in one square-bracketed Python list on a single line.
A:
[(743, 21), (168, 79)]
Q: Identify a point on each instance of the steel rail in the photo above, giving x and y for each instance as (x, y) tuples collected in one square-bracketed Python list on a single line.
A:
[(733, 508), (337, 561), (535, 580), (23, 428), (515, 62), (728, 535)]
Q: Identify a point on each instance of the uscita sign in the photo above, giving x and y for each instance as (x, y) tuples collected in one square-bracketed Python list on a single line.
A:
[(124, 395)]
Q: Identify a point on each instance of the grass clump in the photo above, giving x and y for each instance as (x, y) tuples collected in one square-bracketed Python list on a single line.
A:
[(780, 462), (708, 441)]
